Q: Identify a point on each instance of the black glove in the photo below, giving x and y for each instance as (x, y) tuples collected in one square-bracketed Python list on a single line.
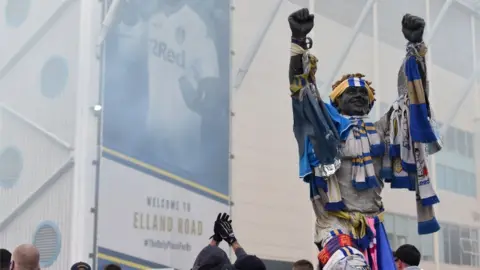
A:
[(224, 228), (216, 228), (412, 28), (301, 23)]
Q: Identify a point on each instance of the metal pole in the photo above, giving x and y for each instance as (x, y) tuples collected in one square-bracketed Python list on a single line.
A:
[(230, 119), (356, 30), (476, 95), (85, 133), (101, 47), (107, 22), (255, 46), (476, 129), (433, 168), (474, 56)]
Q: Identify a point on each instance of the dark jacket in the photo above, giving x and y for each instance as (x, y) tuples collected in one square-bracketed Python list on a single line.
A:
[(215, 258), (211, 256)]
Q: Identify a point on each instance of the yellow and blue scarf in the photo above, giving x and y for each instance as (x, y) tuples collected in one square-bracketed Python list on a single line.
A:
[(362, 144)]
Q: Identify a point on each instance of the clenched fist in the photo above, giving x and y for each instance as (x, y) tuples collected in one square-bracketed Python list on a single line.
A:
[(301, 23)]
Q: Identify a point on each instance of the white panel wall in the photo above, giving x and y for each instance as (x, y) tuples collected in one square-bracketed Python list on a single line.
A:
[(54, 205), (39, 116), (272, 211)]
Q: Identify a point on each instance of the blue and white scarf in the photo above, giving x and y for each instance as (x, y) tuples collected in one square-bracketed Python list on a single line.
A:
[(411, 131), (362, 144)]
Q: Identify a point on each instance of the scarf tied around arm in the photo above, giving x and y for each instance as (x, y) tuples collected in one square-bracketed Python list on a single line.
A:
[(412, 135)]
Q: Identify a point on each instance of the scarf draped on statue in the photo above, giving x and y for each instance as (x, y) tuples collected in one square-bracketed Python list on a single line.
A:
[(411, 136), (325, 136), (313, 128)]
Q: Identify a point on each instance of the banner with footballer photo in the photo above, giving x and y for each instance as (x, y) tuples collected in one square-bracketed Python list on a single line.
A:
[(165, 166)]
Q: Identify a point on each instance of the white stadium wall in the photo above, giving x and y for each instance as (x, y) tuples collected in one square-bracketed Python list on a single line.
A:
[(272, 211), (48, 83)]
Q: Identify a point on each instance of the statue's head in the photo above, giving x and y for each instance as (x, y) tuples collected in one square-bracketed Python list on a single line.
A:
[(352, 95)]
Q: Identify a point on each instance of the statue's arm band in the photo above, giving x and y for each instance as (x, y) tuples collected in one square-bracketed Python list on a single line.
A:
[(302, 42)]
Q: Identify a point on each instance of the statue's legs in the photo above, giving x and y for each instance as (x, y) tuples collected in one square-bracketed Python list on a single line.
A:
[(337, 246), (352, 240)]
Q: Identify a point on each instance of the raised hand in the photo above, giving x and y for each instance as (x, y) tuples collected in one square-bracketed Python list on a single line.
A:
[(224, 228), (301, 23), (413, 27), (217, 227)]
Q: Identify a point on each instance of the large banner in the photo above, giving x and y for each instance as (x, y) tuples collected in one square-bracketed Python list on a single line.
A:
[(165, 169)]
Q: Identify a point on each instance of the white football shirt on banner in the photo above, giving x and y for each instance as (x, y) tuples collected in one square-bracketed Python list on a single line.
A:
[(178, 47)]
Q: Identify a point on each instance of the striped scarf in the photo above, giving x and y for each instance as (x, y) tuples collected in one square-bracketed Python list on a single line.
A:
[(362, 144), (411, 131)]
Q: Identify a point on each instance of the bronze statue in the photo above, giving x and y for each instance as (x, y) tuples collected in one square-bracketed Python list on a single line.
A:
[(346, 159)]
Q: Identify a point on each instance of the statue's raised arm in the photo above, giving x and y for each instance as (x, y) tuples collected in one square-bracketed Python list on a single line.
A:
[(314, 130), (301, 23), (346, 159), (409, 125)]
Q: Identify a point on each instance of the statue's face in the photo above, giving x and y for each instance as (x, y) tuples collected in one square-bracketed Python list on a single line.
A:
[(354, 101)]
